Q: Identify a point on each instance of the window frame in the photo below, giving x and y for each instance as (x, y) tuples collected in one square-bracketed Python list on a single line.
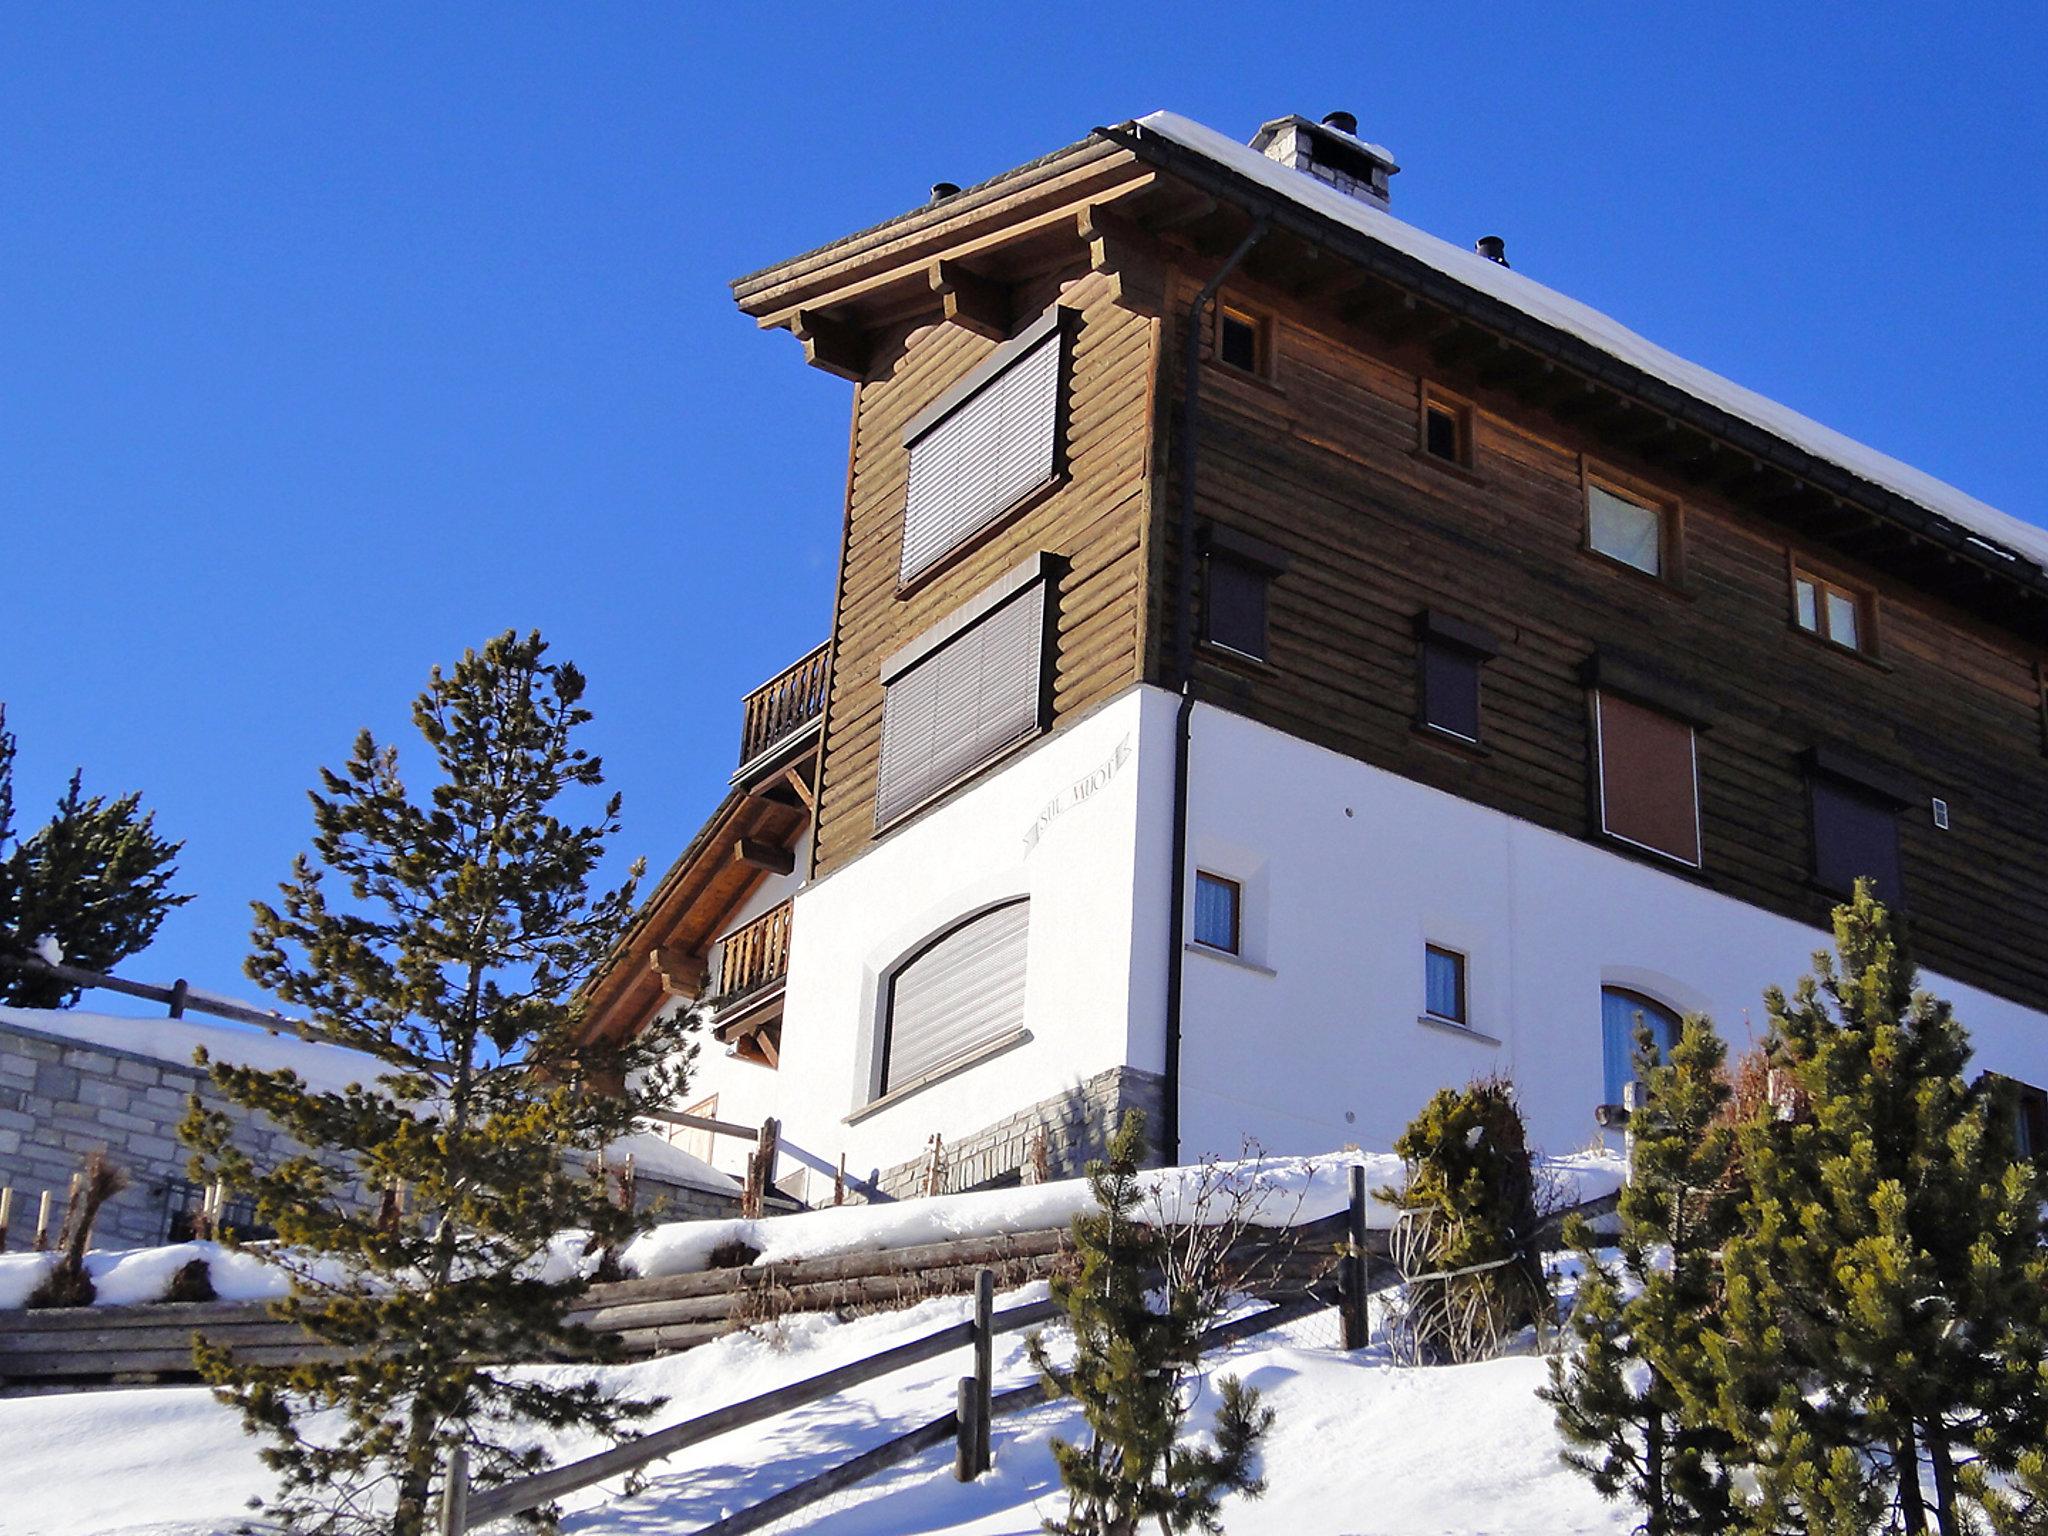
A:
[(1449, 635), (1461, 969), (1236, 890), (1825, 583), (1248, 556), (1058, 323), (1463, 418), (1260, 324), (1597, 691), (1853, 778), (1668, 509), (1042, 571), (1645, 1003)]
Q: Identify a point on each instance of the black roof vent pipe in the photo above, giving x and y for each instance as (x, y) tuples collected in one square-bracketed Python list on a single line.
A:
[(1343, 122), (941, 190), (1493, 248)]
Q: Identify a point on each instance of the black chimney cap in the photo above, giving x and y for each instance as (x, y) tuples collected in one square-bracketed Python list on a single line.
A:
[(941, 190), (1493, 248), (1343, 122)]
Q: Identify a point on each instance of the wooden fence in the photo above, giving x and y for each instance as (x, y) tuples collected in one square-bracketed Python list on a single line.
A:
[(655, 1316)]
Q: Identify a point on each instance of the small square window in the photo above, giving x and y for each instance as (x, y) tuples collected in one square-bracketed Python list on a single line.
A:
[(1446, 429), (1625, 529), (1235, 615), (1238, 340), (1830, 610), (1444, 984), (1217, 903)]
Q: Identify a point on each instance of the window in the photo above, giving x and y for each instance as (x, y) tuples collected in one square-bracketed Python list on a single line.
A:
[(1239, 570), (1240, 339), (1831, 611), (2030, 1120), (985, 446), (1446, 428), (1443, 975), (1623, 1016), (1452, 652), (1856, 809), (959, 996), (964, 691), (1625, 528), (1648, 777), (1218, 906)]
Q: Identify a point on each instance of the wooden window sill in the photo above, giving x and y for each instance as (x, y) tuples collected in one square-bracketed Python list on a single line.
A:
[(1453, 1027), (1229, 656), (1464, 746), (1259, 381), (1670, 586), (939, 1074), (1843, 651), (1196, 947), (1451, 467), (1669, 863)]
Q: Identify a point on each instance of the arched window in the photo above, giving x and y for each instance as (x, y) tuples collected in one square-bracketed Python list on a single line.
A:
[(961, 993), (1622, 1014)]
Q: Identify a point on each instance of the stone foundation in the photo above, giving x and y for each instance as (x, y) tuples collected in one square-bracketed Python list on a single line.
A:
[(1076, 1127)]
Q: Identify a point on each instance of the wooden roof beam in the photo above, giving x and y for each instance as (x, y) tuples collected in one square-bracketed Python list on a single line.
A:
[(832, 345), (971, 301), (1127, 256), (682, 973)]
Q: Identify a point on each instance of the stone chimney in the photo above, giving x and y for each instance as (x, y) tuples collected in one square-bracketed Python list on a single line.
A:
[(1330, 151)]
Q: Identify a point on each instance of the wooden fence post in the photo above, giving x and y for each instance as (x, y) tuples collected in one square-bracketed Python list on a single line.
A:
[(761, 1170), (454, 1514), (43, 1222), (984, 1366), (6, 1212), (1356, 1329), (180, 990), (967, 1431)]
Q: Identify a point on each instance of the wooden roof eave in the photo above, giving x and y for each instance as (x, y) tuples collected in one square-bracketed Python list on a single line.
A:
[(882, 273), (689, 908), (1435, 296)]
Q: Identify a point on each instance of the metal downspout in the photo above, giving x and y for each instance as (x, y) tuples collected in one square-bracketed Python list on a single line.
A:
[(1188, 418)]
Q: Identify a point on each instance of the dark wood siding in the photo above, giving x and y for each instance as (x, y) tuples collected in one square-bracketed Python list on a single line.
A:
[(1094, 519), (1322, 460)]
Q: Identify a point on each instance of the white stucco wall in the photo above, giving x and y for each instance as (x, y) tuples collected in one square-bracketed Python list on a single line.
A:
[(1057, 823), (1349, 871)]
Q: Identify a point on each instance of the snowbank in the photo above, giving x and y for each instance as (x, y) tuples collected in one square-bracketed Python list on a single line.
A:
[(1279, 1192), (1276, 1192), (326, 1068)]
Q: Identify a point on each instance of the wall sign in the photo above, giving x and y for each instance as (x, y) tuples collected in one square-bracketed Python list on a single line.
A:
[(1088, 785)]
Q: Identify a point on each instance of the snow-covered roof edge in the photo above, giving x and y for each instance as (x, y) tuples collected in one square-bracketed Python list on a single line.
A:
[(1553, 309)]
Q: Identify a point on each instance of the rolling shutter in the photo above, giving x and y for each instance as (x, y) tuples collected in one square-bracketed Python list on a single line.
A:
[(959, 705), (985, 454), (962, 991), (1649, 778)]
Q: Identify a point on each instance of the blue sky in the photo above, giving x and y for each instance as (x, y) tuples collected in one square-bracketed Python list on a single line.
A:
[(334, 340)]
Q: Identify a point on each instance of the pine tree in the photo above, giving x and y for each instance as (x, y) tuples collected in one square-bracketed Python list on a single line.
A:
[(1137, 1324), (1470, 1172), (1620, 1393), (95, 877), (1887, 1291), (446, 936)]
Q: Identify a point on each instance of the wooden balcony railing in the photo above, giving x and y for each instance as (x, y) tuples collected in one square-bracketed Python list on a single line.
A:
[(783, 705), (753, 958)]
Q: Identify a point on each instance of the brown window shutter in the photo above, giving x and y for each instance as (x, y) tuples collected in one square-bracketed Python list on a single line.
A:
[(1236, 613), (1649, 778), (1450, 688), (962, 991), (1855, 835)]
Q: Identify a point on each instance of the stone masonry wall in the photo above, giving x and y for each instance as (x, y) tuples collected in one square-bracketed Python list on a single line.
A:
[(1076, 1125), (60, 1100)]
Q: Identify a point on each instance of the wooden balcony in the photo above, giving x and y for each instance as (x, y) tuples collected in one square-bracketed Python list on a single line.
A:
[(752, 962), (782, 709)]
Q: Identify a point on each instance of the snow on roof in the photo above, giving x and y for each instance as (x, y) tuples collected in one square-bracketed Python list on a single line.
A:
[(326, 1068), (1608, 335)]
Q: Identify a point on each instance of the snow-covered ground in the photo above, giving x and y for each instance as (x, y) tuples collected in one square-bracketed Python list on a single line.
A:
[(1360, 1446), (1273, 1191)]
